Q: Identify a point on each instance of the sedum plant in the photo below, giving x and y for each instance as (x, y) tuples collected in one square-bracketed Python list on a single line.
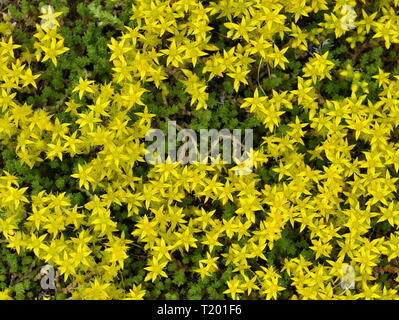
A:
[(318, 84)]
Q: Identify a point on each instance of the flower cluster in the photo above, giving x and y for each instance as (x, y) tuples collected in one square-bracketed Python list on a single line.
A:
[(331, 193)]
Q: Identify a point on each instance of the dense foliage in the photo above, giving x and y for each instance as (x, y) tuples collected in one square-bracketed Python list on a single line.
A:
[(317, 81)]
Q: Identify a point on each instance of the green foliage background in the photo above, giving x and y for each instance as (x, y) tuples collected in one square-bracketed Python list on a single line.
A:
[(87, 27)]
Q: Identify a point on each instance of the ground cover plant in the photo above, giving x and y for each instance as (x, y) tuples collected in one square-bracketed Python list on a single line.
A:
[(81, 84)]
